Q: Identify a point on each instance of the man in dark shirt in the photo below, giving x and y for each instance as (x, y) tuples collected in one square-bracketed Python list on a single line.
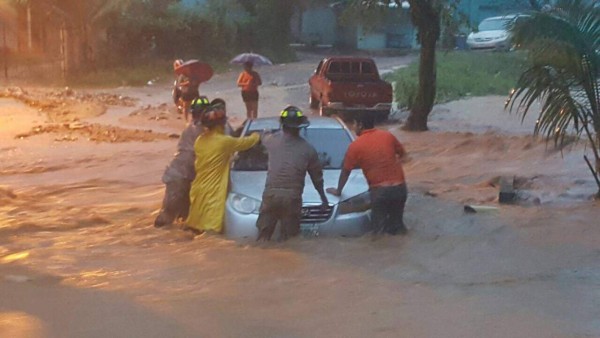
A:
[(290, 158)]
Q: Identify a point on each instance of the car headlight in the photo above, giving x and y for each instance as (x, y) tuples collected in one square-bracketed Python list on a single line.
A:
[(244, 204), (358, 203)]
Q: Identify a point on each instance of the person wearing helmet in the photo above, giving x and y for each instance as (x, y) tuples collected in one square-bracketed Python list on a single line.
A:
[(176, 88), (185, 91), (220, 103), (214, 151), (290, 158), (177, 63), (180, 173)]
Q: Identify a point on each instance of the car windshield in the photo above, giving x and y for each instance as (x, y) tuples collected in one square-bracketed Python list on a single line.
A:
[(493, 24), (331, 145)]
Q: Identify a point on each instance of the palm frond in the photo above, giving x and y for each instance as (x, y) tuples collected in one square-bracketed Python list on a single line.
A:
[(555, 54), (546, 26), (563, 46), (560, 109)]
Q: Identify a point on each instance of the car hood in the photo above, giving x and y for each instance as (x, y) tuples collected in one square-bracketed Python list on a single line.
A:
[(252, 184), (487, 34)]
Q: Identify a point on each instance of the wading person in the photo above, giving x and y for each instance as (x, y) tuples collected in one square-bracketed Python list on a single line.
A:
[(214, 151), (248, 81), (219, 103), (180, 172), (378, 154), (290, 158)]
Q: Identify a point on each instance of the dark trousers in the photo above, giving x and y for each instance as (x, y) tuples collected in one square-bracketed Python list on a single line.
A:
[(176, 202), (387, 209), (287, 210)]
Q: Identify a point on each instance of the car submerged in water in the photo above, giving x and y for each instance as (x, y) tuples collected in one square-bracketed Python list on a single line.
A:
[(348, 215), (492, 33)]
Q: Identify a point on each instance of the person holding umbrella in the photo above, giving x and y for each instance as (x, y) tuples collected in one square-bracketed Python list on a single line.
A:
[(189, 92), (248, 81), (190, 75)]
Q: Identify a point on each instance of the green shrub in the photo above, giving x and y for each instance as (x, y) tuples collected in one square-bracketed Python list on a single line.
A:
[(157, 71), (462, 74)]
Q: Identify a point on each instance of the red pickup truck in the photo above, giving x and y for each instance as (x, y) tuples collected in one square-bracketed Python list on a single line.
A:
[(349, 85)]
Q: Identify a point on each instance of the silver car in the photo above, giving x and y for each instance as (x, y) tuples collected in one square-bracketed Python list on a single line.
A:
[(492, 33), (349, 214)]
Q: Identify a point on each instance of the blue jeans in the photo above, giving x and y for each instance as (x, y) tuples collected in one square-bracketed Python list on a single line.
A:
[(387, 209)]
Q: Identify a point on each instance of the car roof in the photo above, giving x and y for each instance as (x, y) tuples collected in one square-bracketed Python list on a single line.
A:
[(504, 17), (316, 122), (348, 58)]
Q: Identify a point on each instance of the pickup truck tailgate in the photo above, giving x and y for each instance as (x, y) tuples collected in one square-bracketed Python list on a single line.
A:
[(360, 93)]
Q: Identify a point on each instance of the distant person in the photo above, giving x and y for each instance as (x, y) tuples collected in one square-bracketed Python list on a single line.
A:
[(214, 151), (290, 158), (249, 80), (186, 88), (180, 172), (378, 154), (176, 89)]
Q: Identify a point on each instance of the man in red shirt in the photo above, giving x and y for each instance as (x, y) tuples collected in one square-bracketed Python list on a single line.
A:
[(378, 153)]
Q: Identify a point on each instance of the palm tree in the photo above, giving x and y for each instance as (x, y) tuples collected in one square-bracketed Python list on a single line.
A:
[(563, 45)]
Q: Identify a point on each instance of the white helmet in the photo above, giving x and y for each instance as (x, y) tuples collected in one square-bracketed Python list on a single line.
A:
[(177, 63)]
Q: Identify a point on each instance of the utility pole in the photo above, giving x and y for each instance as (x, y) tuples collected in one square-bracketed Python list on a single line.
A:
[(5, 51), (64, 50), (29, 33)]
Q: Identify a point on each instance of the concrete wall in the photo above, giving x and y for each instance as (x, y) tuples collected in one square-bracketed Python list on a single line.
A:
[(318, 26), (396, 32), (191, 3), (371, 40)]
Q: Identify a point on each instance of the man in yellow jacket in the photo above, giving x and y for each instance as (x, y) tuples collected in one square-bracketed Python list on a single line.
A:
[(214, 151)]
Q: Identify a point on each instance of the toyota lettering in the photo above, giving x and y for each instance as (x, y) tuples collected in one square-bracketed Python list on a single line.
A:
[(365, 95)]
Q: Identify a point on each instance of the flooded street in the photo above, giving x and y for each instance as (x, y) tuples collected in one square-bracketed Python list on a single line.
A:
[(79, 256)]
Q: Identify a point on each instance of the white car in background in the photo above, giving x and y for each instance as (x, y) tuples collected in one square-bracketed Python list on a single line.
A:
[(492, 33)]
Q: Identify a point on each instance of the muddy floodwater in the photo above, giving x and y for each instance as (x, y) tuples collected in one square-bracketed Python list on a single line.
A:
[(80, 187)]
